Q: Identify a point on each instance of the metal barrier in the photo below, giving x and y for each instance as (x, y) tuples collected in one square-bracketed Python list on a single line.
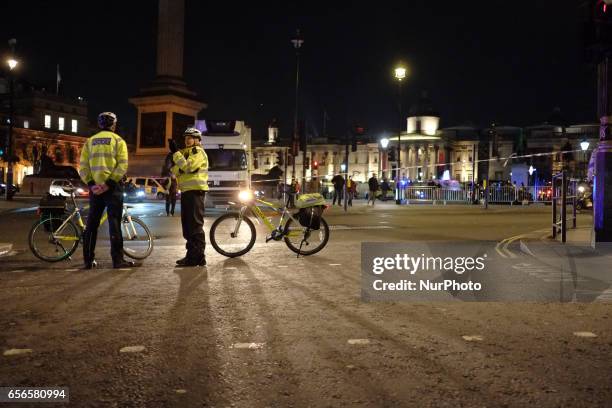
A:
[(497, 194), (563, 189)]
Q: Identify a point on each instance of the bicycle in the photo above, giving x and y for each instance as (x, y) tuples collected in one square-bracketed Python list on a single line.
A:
[(233, 234), (56, 238)]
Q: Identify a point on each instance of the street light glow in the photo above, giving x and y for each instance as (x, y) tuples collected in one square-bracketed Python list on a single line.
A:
[(531, 170), (584, 145), (400, 73), (12, 63), (384, 142)]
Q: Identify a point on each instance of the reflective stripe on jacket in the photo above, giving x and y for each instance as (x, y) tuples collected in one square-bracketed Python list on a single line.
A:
[(191, 169), (104, 157)]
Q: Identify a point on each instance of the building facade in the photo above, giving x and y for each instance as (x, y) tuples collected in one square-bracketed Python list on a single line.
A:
[(44, 124)]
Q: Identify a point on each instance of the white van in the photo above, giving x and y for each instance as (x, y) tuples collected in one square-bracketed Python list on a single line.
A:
[(150, 185)]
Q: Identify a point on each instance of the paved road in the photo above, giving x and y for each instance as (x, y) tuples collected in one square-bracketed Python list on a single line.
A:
[(269, 329)]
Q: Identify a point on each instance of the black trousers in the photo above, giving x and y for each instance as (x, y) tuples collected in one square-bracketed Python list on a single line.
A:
[(338, 195), (112, 201), (170, 203), (192, 220)]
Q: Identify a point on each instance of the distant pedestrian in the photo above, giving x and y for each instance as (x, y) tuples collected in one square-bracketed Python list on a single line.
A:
[(384, 186), (338, 182), (373, 187), (351, 190), (171, 186)]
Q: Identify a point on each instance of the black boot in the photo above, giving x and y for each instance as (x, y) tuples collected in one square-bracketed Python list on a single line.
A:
[(90, 265), (192, 262), (122, 263)]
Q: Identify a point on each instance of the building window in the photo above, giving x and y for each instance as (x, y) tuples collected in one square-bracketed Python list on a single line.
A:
[(48, 121), (60, 123), (26, 124), (75, 125)]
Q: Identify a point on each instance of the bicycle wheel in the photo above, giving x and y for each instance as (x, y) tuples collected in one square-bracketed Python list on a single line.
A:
[(314, 240), (227, 243), (53, 246), (137, 238)]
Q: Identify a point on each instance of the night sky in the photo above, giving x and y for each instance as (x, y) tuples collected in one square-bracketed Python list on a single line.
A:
[(508, 61)]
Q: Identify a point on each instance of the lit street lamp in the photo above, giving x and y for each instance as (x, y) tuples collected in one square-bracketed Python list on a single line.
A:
[(12, 63), (400, 74), (384, 143), (584, 145)]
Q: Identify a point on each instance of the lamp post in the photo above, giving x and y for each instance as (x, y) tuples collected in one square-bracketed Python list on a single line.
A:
[(400, 74), (12, 63), (297, 44), (584, 145), (384, 143)]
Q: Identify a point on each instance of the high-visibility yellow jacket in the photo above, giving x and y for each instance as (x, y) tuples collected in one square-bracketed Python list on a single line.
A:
[(191, 169), (104, 159)]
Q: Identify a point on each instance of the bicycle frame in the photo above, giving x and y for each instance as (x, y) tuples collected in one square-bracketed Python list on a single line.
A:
[(259, 215), (77, 213)]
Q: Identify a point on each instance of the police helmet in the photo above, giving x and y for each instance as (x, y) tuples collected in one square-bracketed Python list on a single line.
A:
[(107, 120)]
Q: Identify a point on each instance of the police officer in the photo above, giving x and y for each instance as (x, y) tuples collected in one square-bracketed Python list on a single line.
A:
[(104, 162), (191, 169)]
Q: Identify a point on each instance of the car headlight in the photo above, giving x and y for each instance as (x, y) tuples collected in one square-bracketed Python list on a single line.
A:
[(80, 190), (125, 194), (140, 194), (581, 189), (245, 196)]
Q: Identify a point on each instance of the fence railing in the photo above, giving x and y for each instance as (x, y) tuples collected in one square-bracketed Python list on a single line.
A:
[(497, 194)]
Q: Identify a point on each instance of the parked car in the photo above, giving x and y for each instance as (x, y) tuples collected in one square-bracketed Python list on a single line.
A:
[(133, 195), (151, 187), (12, 190), (57, 188)]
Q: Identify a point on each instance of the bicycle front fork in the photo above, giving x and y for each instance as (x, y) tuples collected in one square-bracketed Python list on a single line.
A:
[(240, 217)]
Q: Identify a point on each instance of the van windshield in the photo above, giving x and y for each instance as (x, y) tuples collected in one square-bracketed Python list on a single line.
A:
[(226, 160)]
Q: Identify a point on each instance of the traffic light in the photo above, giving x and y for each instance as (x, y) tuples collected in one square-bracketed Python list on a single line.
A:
[(315, 165), (358, 134), (391, 155)]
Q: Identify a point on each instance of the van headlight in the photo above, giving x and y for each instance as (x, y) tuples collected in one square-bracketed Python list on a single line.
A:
[(245, 196), (140, 194)]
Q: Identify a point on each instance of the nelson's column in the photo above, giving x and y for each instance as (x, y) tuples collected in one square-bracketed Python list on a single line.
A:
[(166, 106)]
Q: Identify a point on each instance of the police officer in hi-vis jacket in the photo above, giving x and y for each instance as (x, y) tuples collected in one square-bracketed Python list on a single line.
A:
[(104, 162), (191, 170)]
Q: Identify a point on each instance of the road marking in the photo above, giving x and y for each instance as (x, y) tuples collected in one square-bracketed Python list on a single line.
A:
[(230, 268), (282, 266), (358, 342), (181, 391), (132, 349), (125, 269), (71, 270), (585, 334), (525, 249), (365, 227), (383, 222), (17, 352), (18, 270), (606, 296), (335, 264), (249, 346), (473, 338)]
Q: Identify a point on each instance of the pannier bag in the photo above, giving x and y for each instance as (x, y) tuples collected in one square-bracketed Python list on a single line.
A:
[(52, 206), (310, 217), (309, 200)]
